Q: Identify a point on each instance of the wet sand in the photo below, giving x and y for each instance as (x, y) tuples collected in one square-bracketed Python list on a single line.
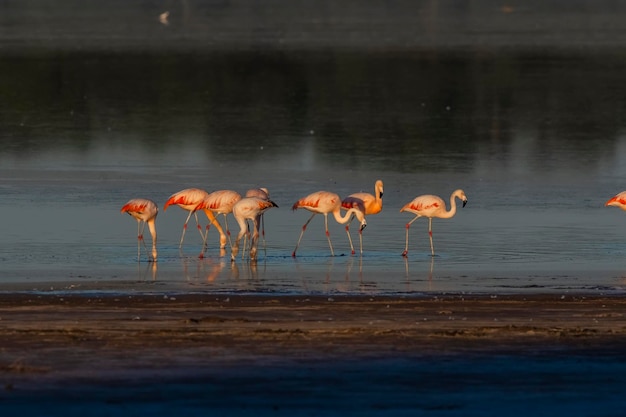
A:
[(56, 335), (67, 354)]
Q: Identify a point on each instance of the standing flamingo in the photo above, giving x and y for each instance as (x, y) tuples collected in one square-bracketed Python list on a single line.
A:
[(618, 200), (145, 211), (367, 204), (264, 194), (431, 206), (188, 199), (325, 202), (220, 202), (249, 208)]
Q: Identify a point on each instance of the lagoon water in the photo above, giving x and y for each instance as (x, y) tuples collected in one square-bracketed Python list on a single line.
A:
[(101, 106), (521, 105)]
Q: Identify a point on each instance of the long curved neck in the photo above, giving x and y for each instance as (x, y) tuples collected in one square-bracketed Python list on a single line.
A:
[(346, 217), (452, 211), (153, 233)]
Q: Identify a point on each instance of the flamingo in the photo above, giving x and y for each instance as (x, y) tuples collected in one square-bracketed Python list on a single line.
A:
[(618, 200), (189, 199), (367, 204), (431, 206), (264, 194), (220, 202), (325, 202), (145, 211), (249, 208)]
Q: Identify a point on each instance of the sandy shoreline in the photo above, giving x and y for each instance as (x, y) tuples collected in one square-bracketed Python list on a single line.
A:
[(158, 355), (56, 335)]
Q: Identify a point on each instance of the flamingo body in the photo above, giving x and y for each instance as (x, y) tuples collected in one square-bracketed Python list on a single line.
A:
[(367, 204), (145, 212), (188, 199), (431, 206), (264, 194), (325, 202), (618, 200), (220, 202), (249, 208)]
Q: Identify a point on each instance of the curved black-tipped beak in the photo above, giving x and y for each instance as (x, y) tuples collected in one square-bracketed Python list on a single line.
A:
[(464, 203)]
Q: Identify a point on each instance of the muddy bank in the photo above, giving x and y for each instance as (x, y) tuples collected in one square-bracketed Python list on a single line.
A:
[(56, 335)]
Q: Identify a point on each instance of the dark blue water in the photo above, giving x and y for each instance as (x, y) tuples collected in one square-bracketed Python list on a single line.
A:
[(518, 106)]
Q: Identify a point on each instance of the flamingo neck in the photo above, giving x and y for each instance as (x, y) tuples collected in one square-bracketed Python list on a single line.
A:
[(344, 219), (450, 213)]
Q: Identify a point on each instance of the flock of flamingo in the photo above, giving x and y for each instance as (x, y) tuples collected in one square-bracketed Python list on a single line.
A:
[(256, 201)]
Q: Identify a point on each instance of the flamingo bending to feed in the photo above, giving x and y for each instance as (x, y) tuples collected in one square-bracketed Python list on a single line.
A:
[(264, 194), (249, 208), (431, 206), (325, 202), (367, 204), (220, 202), (145, 211), (189, 199)]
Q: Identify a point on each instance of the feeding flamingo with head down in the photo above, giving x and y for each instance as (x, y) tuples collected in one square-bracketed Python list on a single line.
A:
[(145, 211), (367, 204), (188, 199), (249, 208), (220, 202), (264, 194), (325, 202), (431, 206)]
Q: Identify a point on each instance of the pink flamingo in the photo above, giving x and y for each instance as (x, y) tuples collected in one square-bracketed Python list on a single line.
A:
[(618, 200), (145, 211), (431, 206), (249, 208), (220, 202), (325, 202), (264, 194), (189, 199), (367, 204)]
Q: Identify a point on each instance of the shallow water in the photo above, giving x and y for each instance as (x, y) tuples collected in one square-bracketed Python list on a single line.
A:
[(529, 124)]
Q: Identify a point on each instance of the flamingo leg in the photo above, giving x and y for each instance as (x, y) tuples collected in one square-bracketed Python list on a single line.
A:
[(332, 253), (139, 238), (302, 233), (246, 238), (360, 240), (202, 235), (348, 232), (255, 239), (227, 231), (263, 233), (216, 224), (408, 225), (182, 237), (430, 235)]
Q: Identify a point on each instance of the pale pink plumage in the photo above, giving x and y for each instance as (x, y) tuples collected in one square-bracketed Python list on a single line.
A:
[(431, 206), (325, 202), (188, 199), (220, 202), (249, 208), (145, 212)]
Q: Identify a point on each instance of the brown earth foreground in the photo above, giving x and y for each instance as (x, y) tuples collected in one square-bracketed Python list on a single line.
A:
[(52, 335)]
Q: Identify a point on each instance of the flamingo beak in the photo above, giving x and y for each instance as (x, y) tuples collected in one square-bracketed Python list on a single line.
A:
[(464, 203)]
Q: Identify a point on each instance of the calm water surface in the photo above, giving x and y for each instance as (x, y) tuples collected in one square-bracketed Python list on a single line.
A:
[(529, 124)]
